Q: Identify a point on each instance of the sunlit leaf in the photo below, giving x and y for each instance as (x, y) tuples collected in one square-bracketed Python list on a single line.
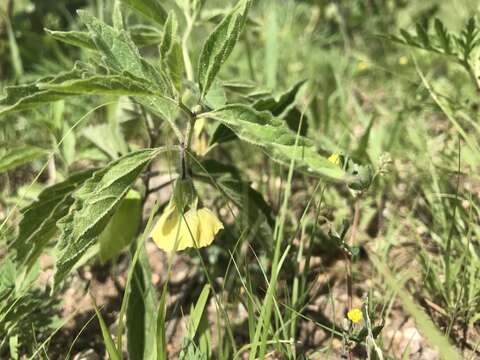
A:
[(95, 203), (279, 142), (220, 44)]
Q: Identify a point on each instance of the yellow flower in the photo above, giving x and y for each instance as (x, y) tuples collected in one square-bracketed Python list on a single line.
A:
[(403, 60), (334, 158), (363, 65), (355, 315), (196, 228)]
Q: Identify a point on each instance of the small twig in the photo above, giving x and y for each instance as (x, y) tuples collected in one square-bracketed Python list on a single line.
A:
[(159, 187)]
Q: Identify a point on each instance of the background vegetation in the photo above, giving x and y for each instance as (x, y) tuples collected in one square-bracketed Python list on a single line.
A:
[(89, 158)]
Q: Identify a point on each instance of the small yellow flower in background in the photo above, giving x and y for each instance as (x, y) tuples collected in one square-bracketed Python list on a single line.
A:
[(196, 228), (355, 315), (403, 60), (334, 158), (363, 65)]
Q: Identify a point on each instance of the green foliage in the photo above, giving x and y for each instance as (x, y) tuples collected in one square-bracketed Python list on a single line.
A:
[(122, 227), (278, 122), (75, 38), (459, 46), (151, 9), (94, 205), (38, 224), (270, 133), (19, 156), (219, 45), (141, 324)]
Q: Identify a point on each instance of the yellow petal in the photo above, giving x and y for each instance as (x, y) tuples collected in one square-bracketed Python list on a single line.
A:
[(209, 226), (196, 228), (189, 230), (166, 229), (355, 315)]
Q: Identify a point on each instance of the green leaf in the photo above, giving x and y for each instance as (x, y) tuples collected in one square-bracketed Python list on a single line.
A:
[(271, 133), (107, 338), (120, 53), (101, 136), (220, 44), (282, 103), (196, 314), (19, 156), (76, 38), (141, 324), (28, 96), (255, 214), (95, 203), (443, 36), (171, 52), (100, 85), (423, 36), (122, 227), (161, 337), (38, 224), (151, 9)]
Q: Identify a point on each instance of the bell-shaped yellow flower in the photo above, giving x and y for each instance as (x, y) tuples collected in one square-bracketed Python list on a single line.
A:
[(196, 228)]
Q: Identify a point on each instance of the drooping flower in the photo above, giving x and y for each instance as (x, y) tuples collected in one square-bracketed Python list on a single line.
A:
[(195, 228), (355, 315)]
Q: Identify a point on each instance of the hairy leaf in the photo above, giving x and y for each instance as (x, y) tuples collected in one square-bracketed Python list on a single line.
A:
[(171, 52), (220, 44), (284, 101), (95, 203), (271, 133), (76, 38), (19, 156), (120, 53), (100, 85), (151, 9), (28, 96), (38, 224)]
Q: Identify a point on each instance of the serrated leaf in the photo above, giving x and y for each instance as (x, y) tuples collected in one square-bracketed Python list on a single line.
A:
[(122, 227), (409, 38), (220, 44), (28, 96), (120, 53), (443, 36), (278, 105), (100, 85), (271, 133), (38, 224), (171, 52), (151, 9), (19, 156), (95, 203), (76, 38), (423, 36)]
